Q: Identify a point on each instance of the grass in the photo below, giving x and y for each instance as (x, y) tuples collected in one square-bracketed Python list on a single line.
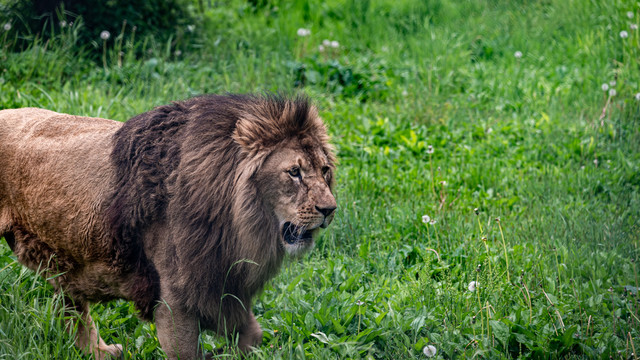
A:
[(533, 182)]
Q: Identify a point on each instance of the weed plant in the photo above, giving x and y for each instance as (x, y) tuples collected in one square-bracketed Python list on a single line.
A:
[(513, 126)]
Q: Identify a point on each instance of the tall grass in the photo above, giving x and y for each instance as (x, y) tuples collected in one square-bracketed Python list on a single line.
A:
[(531, 140)]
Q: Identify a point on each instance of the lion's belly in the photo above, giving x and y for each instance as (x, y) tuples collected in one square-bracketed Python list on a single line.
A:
[(56, 176)]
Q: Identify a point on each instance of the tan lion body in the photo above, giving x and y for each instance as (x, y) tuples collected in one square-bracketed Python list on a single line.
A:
[(182, 206)]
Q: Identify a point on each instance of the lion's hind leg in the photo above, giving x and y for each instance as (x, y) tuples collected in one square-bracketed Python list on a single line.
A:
[(87, 337)]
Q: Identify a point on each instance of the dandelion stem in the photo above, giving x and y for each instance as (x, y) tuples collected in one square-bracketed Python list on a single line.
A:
[(504, 246), (104, 54), (435, 252), (558, 271), (528, 299), (633, 347), (433, 187)]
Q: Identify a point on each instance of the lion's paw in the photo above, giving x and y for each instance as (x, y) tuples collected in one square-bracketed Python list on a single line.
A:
[(110, 352)]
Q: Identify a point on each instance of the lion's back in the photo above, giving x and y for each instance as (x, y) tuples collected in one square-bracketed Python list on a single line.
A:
[(54, 174)]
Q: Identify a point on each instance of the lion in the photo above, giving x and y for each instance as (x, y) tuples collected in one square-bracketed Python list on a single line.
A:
[(186, 210)]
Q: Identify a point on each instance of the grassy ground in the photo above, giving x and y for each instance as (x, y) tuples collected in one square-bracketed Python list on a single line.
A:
[(529, 171)]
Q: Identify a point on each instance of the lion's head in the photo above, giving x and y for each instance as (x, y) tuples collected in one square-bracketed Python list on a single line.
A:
[(287, 144)]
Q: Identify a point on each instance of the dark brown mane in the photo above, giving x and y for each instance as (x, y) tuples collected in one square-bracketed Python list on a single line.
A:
[(190, 164)]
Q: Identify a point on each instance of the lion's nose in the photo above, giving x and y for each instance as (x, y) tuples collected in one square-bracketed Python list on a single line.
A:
[(326, 211)]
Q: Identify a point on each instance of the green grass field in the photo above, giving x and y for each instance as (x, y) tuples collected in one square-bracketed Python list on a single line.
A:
[(488, 116)]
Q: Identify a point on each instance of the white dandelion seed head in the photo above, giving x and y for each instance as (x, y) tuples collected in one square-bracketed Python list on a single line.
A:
[(432, 222), (473, 286), (426, 219), (613, 92), (178, 53), (335, 44), (637, 96), (105, 35), (518, 54), (429, 149), (624, 34), (630, 14), (321, 48), (7, 26), (429, 351), (605, 87), (633, 26), (326, 43), (612, 83), (302, 32)]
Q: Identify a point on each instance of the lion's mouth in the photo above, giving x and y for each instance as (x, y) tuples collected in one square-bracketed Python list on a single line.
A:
[(293, 234)]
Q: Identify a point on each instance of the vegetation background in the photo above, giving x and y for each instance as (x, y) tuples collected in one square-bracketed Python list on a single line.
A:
[(513, 125)]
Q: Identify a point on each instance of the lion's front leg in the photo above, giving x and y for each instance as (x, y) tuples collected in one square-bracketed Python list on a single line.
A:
[(177, 332), (250, 334)]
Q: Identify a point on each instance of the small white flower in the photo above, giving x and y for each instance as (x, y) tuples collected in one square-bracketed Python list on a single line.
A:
[(605, 87), (7, 26), (105, 35), (612, 83), (443, 183), (178, 53), (321, 48), (472, 286), (518, 54), (326, 43), (405, 93), (429, 149), (335, 44), (359, 303), (613, 92), (63, 23), (429, 351), (302, 32), (426, 219), (630, 14), (595, 162), (191, 28), (432, 222), (633, 26), (624, 34), (637, 96)]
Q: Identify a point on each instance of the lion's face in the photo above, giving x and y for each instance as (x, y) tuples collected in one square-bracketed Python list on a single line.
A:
[(296, 184)]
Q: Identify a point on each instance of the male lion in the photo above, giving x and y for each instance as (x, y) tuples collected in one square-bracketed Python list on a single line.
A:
[(186, 210)]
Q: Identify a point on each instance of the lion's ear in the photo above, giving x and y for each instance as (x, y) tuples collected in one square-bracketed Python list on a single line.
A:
[(250, 135), (263, 127)]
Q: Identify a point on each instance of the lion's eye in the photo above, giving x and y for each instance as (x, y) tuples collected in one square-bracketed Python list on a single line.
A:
[(294, 172), (325, 170)]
